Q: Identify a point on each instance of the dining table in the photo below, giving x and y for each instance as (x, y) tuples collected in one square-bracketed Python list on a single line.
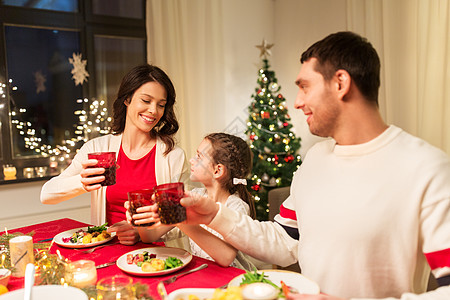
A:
[(213, 276)]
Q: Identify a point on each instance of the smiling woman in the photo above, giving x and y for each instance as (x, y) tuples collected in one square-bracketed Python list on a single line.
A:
[(144, 124)]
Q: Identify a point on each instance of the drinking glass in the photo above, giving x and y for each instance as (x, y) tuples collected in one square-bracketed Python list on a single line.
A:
[(168, 197), (106, 160), (137, 199), (115, 287)]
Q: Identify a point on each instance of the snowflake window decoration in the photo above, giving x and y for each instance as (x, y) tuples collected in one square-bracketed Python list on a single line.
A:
[(79, 73)]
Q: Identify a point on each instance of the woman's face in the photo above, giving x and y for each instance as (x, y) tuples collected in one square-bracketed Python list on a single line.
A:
[(146, 107), (202, 167)]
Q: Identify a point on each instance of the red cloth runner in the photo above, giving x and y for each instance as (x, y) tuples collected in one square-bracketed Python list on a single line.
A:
[(211, 277)]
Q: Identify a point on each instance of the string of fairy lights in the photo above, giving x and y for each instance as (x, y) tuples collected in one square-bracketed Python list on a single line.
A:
[(93, 120)]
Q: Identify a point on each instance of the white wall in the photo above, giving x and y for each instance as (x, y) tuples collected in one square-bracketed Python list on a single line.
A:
[(298, 24), (20, 206)]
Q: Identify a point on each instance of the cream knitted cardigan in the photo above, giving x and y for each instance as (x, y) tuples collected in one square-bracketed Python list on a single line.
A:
[(168, 168)]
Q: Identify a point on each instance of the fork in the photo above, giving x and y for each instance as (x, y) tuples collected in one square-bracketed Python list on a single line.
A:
[(98, 247), (173, 278)]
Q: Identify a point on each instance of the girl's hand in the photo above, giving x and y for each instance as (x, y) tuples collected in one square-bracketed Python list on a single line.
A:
[(143, 215), (90, 176)]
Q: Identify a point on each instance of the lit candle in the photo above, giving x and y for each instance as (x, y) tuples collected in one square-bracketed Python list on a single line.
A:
[(21, 250), (9, 172), (83, 273), (28, 172)]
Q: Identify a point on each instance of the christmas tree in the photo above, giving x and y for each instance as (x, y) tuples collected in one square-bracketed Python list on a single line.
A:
[(273, 144)]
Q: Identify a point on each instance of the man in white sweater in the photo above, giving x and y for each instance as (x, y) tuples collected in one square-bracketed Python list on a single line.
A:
[(369, 210)]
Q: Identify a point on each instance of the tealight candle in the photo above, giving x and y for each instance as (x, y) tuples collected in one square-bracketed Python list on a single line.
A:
[(21, 249), (9, 172), (40, 171), (28, 172), (83, 273)]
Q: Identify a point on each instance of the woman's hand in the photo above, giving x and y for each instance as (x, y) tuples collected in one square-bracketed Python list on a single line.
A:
[(127, 234), (143, 215), (90, 176)]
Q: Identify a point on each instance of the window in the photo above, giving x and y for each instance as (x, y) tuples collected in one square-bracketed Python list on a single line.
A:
[(59, 75)]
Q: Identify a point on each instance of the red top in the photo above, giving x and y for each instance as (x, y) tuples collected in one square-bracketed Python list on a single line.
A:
[(130, 175)]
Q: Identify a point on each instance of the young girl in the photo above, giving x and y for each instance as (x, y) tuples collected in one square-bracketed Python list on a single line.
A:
[(221, 164), (144, 125)]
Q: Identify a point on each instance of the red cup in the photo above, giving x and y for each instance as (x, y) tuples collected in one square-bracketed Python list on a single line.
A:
[(168, 197), (138, 199), (106, 160)]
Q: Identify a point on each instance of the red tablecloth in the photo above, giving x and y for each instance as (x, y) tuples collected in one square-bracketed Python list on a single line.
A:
[(211, 277)]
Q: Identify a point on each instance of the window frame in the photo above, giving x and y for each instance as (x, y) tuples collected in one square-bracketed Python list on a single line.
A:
[(89, 26)]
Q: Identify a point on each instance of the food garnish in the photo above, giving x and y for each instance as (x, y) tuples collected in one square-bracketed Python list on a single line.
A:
[(93, 234), (285, 289), (252, 277), (148, 262)]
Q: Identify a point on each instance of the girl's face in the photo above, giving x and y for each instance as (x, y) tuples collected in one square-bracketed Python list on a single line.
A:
[(146, 107), (202, 166)]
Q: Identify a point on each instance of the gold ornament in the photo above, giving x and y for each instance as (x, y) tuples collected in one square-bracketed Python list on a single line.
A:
[(264, 48)]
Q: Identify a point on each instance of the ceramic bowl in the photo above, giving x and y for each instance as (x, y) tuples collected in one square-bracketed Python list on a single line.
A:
[(5, 274)]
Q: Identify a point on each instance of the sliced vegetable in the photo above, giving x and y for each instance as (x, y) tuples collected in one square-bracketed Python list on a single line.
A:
[(285, 289)]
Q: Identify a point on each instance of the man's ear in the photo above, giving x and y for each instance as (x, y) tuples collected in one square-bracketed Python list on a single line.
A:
[(343, 83), (219, 171)]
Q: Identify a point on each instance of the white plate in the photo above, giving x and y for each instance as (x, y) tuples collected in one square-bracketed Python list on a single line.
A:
[(183, 294), (162, 253), (66, 234), (48, 292), (292, 279)]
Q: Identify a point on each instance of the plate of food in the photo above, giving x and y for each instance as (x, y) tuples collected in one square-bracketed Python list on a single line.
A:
[(84, 237), (154, 261), (295, 281)]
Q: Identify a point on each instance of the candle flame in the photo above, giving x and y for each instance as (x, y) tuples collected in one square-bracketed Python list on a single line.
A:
[(59, 254), (6, 231), (3, 259)]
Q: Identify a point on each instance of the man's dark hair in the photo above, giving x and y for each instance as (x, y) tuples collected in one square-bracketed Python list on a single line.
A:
[(350, 52)]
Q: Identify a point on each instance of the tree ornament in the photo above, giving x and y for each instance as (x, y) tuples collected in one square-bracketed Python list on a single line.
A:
[(289, 158), (265, 115), (285, 124), (267, 149), (256, 187), (280, 96), (273, 87), (252, 137), (264, 48), (276, 159), (265, 177), (272, 181)]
